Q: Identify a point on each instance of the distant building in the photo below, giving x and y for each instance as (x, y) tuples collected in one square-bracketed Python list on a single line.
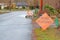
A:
[(21, 4), (2, 5)]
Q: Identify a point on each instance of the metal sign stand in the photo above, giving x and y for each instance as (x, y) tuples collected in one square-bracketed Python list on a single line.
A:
[(40, 8)]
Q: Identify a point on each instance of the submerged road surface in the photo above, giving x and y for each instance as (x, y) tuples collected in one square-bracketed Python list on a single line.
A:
[(14, 26)]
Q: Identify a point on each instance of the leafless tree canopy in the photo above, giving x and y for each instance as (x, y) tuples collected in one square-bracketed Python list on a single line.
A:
[(54, 3)]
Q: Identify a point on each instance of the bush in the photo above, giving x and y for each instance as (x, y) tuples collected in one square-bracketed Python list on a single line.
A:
[(23, 7), (0, 7), (51, 10), (31, 7), (37, 7), (58, 10), (35, 13), (6, 7)]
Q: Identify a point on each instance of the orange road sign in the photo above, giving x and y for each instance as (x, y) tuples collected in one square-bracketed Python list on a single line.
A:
[(44, 21)]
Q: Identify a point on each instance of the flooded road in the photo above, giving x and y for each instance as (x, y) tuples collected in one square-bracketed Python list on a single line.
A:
[(14, 26)]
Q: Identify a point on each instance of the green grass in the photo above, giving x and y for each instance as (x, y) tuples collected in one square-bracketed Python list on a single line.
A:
[(7, 10), (49, 34), (4, 11)]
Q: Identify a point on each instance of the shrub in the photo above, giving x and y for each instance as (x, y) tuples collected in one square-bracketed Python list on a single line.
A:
[(51, 10), (0, 7), (23, 7), (58, 10), (31, 7), (35, 13)]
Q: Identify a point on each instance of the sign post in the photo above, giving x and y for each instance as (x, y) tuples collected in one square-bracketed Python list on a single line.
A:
[(40, 8), (41, 5)]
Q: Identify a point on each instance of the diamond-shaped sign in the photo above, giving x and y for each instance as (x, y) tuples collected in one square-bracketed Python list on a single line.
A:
[(44, 21)]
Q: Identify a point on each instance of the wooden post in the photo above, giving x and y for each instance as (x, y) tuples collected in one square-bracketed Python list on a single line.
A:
[(40, 8), (41, 5)]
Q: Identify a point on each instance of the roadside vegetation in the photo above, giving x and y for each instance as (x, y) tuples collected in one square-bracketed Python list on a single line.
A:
[(51, 33)]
